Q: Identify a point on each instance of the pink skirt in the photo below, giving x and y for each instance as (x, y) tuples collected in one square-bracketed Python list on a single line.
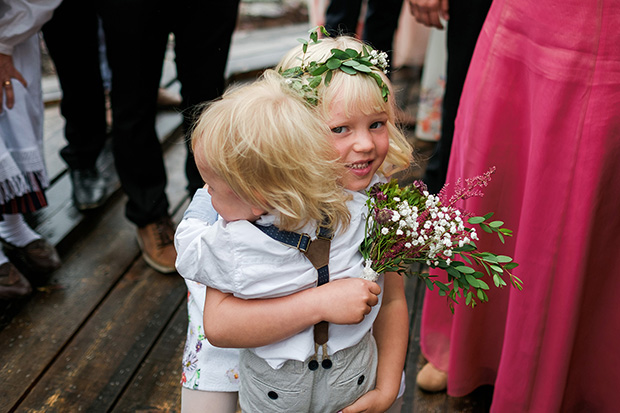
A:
[(542, 103)]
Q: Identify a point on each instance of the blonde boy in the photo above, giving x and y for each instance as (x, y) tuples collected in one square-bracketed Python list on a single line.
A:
[(266, 160)]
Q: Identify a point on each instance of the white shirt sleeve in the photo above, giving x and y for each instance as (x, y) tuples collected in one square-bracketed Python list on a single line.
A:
[(198, 240), (20, 19)]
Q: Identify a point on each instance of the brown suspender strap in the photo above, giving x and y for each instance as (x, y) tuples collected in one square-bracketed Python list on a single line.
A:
[(318, 254)]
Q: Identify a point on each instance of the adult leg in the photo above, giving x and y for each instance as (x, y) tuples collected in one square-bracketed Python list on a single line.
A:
[(201, 55), (73, 29), (341, 16), (136, 45), (136, 42), (466, 19), (380, 24)]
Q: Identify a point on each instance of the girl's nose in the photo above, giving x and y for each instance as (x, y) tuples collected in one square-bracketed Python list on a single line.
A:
[(363, 142)]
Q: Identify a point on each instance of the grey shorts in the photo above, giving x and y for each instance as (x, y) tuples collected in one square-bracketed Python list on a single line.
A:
[(294, 388)]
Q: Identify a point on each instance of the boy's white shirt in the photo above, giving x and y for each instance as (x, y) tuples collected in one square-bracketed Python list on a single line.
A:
[(238, 258)]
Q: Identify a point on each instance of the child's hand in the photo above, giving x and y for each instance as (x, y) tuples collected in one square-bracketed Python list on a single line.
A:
[(347, 301), (371, 402)]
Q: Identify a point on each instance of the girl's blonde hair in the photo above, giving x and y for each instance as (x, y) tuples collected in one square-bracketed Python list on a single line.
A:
[(270, 148), (355, 92)]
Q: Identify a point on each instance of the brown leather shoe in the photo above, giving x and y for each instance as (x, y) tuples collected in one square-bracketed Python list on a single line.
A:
[(38, 257), (13, 284), (431, 379), (156, 241)]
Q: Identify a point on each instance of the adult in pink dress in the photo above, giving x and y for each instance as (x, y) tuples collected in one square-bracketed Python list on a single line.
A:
[(542, 103)]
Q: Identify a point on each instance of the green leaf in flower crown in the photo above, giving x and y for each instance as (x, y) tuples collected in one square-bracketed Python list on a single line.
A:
[(351, 53), (350, 63), (291, 72), (511, 265), (318, 70), (333, 63), (328, 77), (315, 81), (348, 70), (385, 91), (476, 220), (314, 36), (487, 216), (496, 224), (362, 68), (340, 54), (503, 258), (302, 41)]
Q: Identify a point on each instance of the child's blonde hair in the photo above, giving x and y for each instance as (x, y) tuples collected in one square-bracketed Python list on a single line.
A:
[(273, 151), (355, 92)]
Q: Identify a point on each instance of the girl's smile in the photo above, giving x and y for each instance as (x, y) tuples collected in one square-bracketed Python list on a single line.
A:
[(362, 142)]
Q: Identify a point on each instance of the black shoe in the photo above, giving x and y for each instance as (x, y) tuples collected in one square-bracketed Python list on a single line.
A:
[(89, 188), (38, 257), (13, 284)]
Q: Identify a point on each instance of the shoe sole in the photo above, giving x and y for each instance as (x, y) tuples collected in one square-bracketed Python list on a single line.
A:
[(88, 207), (153, 264)]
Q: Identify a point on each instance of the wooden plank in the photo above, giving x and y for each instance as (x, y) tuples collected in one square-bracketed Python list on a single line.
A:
[(50, 318), (260, 49), (155, 386), (98, 362), (48, 321), (415, 289)]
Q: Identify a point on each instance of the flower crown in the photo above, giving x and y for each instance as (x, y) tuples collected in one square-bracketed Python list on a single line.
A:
[(306, 78)]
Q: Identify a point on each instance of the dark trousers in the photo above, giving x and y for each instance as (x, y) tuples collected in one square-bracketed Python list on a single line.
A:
[(380, 21), (72, 40), (466, 20), (136, 37)]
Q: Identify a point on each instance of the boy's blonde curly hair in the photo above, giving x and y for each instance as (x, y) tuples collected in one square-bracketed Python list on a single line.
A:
[(273, 151), (355, 92)]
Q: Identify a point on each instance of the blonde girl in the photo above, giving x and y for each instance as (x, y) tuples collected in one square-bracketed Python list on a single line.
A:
[(347, 98)]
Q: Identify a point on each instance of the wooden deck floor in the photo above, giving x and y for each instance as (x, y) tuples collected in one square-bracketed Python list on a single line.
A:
[(105, 332)]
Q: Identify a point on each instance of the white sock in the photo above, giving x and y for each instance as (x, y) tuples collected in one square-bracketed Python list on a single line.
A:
[(14, 230)]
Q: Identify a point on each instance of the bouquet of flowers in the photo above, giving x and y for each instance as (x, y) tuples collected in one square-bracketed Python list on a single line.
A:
[(407, 225)]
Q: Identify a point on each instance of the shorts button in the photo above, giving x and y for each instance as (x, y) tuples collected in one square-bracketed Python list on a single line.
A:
[(272, 395), (327, 364), (360, 380), (313, 365)]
